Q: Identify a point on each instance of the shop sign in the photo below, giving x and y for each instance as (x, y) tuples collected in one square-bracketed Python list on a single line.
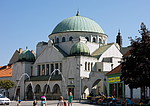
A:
[(114, 79)]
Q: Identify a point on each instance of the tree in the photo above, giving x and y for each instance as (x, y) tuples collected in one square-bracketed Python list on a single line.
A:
[(6, 84), (136, 65)]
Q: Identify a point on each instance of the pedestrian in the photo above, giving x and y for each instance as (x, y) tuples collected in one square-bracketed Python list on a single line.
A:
[(19, 103), (70, 99), (35, 103), (43, 101), (61, 101)]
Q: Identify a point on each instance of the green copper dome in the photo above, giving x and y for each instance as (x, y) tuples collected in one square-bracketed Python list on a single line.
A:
[(77, 23), (27, 55), (79, 49)]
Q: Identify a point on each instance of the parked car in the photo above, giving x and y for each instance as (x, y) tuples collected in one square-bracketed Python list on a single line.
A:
[(4, 100)]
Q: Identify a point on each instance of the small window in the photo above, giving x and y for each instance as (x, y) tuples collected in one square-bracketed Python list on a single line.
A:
[(99, 70), (43, 69), (89, 66), (70, 39), (100, 41), (94, 40), (47, 69), (87, 38), (52, 68), (63, 39), (56, 66), (38, 69), (57, 40), (85, 65)]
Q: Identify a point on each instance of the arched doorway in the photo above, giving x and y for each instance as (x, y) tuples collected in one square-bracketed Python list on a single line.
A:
[(85, 92), (46, 91), (56, 91), (29, 93), (38, 92), (97, 87)]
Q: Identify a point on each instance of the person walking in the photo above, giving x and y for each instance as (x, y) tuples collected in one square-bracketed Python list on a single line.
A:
[(70, 99), (43, 101), (35, 103), (19, 103), (61, 101)]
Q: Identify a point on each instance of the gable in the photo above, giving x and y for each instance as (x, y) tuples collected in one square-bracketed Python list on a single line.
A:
[(50, 54)]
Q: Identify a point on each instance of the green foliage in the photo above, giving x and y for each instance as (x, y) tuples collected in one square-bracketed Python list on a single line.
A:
[(6, 84), (136, 66)]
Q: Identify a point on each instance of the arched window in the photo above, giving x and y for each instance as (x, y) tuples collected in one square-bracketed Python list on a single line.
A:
[(63, 39), (94, 40), (57, 40), (104, 41), (37, 88), (70, 38), (85, 65), (89, 66), (100, 41), (56, 89), (87, 38), (46, 89)]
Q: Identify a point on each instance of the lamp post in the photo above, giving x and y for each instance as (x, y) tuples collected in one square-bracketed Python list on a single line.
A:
[(79, 66)]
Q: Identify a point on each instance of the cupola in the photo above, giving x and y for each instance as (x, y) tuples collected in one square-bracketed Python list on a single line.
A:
[(79, 49), (27, 56)]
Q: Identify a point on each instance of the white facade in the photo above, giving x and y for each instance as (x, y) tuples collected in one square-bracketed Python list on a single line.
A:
[(79, 74)]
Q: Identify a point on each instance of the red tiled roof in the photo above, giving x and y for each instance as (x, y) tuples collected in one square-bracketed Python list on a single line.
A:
[(115, 70), (6, 71)]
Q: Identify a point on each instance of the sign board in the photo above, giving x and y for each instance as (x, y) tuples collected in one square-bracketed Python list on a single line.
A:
[(114, 79)]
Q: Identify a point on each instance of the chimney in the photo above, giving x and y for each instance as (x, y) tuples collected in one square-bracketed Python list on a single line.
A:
[(20, 50), (32, 51)]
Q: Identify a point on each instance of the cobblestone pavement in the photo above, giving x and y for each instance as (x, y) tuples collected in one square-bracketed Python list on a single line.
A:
[(51, 103)]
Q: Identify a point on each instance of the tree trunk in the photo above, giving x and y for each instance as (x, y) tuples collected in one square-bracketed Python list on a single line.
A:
[(143, 92), (131, 93)]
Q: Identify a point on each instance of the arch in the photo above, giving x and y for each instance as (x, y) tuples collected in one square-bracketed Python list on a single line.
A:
[(70, 38), (100, 40), (37, 88), (29, 92), (85, 92), (38, 92), (63, 39), (94, 39), (87, 38), (56, 91), (95, 87), (46, 89)]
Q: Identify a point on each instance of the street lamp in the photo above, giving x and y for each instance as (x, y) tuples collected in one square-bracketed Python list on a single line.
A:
[(79, 66)]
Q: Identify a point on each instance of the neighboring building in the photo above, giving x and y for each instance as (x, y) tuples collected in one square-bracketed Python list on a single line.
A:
[(75, 59), (5, 73), (116, 87)]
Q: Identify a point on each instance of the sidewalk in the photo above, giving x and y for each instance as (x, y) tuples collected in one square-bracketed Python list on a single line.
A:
[(52, 103)]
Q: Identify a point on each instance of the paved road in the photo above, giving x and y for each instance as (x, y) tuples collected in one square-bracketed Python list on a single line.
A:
[(51, 103)]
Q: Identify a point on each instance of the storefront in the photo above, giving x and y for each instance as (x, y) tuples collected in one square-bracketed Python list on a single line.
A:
[(115, 87)]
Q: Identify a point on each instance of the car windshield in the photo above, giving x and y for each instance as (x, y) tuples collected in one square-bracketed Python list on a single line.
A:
[(1, 96)]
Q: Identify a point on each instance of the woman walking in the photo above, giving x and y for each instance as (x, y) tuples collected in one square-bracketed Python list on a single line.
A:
[(70, 99)]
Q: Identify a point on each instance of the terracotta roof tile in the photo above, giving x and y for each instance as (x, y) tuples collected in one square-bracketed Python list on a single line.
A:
[(6, 71), (115, 70)]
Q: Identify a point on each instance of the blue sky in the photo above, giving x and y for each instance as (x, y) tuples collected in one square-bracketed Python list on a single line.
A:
[(27, 22)]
